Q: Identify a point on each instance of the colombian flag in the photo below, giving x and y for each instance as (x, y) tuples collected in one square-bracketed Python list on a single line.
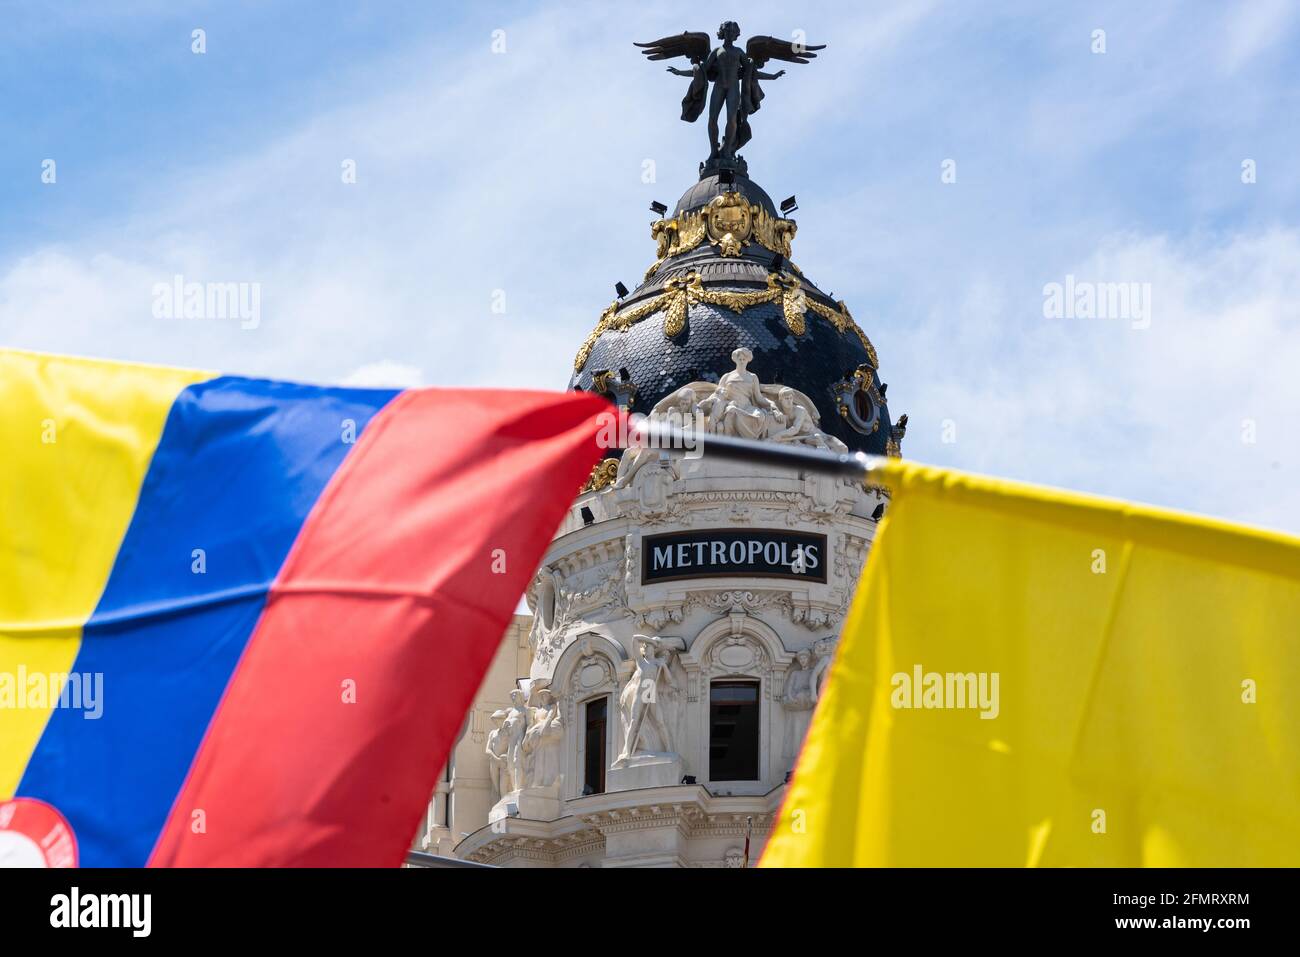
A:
[(291, 593), (1031, 677)]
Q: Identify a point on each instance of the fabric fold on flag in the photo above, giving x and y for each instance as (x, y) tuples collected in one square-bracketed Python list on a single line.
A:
[(328, 571), (1031, 677)]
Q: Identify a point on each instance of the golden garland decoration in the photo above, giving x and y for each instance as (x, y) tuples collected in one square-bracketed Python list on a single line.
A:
[(682, 291), (843, 321)]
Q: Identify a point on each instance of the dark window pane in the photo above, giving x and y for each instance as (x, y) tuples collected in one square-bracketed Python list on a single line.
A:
[(862, 405), (594, 748), (733, 731)]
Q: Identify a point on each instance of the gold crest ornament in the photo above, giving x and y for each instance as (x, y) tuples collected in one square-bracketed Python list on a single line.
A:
[(601, 476), (730, 222)]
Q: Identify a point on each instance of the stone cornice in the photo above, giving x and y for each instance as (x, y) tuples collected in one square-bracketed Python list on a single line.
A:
[(688, 808)]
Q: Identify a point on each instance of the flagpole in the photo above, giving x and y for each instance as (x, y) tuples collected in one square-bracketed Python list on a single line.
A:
[(647, 434)]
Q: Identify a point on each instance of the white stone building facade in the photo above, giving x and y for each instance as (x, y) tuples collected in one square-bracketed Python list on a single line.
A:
[(744, 645)]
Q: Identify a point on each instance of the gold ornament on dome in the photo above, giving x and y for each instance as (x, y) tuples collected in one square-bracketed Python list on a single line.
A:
[(603, 323), (601, 476), (673, 237), (773, 233), (680, 292), (794, 301), (843, 321), (861, 386), (728, 221)]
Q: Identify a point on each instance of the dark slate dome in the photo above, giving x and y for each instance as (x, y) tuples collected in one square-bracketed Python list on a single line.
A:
[(710, 186), (726, 271)]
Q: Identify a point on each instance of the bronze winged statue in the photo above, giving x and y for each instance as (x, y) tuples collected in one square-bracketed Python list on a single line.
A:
[(734, 74)]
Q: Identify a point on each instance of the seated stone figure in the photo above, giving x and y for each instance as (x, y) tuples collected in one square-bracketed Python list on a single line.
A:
[(676, 410), (737, 404), (738, 407), (799, 425)]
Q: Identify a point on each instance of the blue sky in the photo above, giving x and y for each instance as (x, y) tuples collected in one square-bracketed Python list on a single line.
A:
[(521, 172)]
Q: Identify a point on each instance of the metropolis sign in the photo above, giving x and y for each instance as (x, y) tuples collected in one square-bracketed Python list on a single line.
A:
[(733, 552)]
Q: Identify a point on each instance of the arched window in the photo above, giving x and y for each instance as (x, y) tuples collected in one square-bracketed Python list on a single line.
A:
[(733, 730), (586, 682)]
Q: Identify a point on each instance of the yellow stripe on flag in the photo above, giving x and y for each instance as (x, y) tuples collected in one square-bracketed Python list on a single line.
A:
[(1036, 678), (77, 437)]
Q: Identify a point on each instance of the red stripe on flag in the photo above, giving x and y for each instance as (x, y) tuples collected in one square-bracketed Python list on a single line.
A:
[(390, 586)]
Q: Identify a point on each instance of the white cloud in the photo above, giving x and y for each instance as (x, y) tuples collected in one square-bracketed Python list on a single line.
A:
[(1197, 411), (1252, 27), (386, 373), (522, 173)]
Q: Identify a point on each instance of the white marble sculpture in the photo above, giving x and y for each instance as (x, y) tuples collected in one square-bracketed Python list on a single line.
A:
[(803, 687), (513, 727), (498, 775), (800, 426), (641, 700), (678, 410), (541, 598), (738, 405), (543, 742)]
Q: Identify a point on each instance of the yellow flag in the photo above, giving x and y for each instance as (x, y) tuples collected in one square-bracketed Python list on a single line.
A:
[(1031, 677)]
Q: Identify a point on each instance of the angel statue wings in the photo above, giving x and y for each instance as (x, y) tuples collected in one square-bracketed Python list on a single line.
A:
[(734, 74)]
